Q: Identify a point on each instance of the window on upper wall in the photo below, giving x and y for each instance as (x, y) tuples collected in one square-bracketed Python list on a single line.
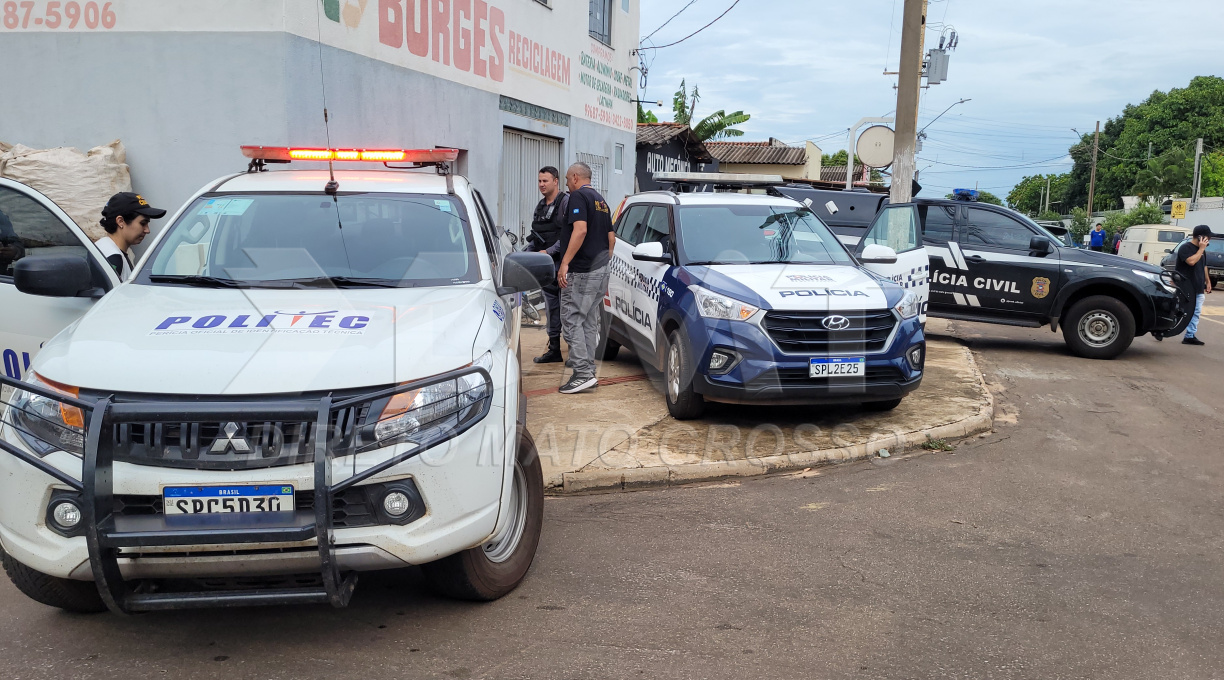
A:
[(624, 5), (601, 21), (618, 158)]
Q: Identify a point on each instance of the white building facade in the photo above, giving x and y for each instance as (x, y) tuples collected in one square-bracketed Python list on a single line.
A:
[(514, 84)]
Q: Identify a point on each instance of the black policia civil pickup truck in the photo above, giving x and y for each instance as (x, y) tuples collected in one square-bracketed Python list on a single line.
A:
[(993, 265)]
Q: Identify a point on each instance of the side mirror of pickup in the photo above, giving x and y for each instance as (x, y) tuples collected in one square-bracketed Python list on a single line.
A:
[(651, 251), (526, 271), (878, 254), (1040, 245), (54, 276)]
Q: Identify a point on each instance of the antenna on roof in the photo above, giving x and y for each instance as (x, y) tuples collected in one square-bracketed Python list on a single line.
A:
[(332, 185)]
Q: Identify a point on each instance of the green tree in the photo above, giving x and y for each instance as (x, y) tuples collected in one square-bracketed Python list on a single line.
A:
[(1165, 120), (983, 197), (717, 125), (1169, 174), (1050, 216), (645, 116), (1028, 196), (1212, 182), (1079, 223)]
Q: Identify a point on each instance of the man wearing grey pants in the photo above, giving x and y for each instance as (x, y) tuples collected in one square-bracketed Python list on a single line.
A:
[(586, 241)]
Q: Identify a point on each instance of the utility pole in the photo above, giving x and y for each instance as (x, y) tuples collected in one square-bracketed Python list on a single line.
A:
[(1096, 140), (913, 26), (1047, 195), (1149, 151), (1198, 174)]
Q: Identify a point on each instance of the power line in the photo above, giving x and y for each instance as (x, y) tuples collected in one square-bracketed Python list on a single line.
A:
[(1048, 161), (696, 31), (690, 4)]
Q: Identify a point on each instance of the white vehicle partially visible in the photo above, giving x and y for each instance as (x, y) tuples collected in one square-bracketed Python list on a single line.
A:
[(308, 375)]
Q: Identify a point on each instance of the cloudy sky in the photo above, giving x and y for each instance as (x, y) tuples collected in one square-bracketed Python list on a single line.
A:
[(808, 69)]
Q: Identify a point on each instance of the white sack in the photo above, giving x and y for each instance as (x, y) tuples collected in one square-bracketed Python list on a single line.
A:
[(80, 183)]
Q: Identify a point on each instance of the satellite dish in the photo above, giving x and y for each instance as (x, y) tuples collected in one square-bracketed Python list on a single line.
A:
[(875, 147)]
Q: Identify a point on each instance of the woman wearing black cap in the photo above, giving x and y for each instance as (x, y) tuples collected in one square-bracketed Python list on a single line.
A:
[(126, 221)]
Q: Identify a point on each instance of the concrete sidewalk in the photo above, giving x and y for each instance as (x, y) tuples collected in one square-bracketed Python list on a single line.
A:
[(619, 436)]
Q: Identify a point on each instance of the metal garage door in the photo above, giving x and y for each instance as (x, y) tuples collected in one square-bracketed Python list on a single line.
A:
[(523, 154)]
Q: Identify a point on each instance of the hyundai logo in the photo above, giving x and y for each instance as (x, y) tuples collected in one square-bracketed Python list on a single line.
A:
[(227, 439), (836, 322)]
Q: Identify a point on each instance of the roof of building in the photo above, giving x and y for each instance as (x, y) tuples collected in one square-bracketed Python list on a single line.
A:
[(658, 134), (768, 153)]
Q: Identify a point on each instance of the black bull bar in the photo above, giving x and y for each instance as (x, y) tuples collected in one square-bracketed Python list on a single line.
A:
[(106, 533)]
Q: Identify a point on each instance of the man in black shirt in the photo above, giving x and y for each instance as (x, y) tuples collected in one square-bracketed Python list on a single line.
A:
[(546, 225), (586, 243), (1192, 265)]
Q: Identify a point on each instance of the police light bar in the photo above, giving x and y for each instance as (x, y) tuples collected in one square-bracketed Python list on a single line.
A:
[(285, 154), (966, 194)]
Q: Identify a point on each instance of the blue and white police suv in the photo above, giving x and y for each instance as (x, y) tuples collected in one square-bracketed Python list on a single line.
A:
[(747, 298), (308, 375)]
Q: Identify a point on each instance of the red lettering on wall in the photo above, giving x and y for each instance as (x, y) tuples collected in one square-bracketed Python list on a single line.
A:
[(391, 22), (418, 27), (463, 34), (440, 18), (497, 61), (482, 14)]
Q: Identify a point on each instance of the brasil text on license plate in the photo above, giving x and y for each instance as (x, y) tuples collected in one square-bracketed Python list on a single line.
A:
[(830, 368), (192, 500)]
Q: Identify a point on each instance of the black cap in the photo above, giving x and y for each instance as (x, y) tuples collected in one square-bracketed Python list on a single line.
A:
[(1202, 230), (127, 202)]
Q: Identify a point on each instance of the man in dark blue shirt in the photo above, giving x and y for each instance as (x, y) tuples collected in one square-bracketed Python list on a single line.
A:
[(586, 245), (1192, 265)]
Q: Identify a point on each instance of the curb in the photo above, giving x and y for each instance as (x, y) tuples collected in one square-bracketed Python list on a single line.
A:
[(660, 476)]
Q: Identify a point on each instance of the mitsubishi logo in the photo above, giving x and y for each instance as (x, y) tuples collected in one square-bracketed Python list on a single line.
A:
[(227, 440), (836, 322)]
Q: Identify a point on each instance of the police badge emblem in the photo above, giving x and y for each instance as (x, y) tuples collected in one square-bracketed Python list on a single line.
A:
[(1041, 287)]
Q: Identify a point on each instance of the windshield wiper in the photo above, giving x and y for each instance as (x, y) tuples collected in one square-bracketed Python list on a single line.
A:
[(344, 282), (197, 280)]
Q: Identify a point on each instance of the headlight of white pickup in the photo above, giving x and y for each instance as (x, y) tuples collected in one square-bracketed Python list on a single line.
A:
[(434, 412), (45, 425), (909, 306), (711, 305), (1164, 278)]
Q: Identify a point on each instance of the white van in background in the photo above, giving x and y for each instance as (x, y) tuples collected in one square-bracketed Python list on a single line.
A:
[(1151, 242)]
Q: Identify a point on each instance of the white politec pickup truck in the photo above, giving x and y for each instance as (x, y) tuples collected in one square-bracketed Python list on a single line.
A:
[(309, 374)]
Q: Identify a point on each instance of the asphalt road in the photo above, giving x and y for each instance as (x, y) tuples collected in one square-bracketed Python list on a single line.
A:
[(1081, 540)]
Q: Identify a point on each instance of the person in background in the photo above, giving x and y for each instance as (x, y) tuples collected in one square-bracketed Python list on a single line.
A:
[(546, 225), (126, 221), (1192, 265), (1117, 243), (586, 244), (11, 247), (1097, 241)]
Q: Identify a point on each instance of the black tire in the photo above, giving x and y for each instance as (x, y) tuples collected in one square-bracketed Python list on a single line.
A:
[(683, 402), (74, 596), (611, 349), (1098, 327), (882, 405), (490, 571)]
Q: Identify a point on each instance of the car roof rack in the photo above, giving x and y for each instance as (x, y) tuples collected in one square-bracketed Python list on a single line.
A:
[(698, 181)]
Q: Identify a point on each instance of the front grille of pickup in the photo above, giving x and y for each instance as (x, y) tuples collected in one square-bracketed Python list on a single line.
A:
[(229, 445), (801, 332), (350, 508)]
